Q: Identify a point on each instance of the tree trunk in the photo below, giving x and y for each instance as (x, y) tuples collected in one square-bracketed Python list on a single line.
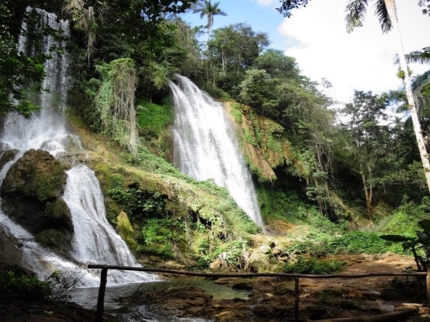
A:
[(367, 195), (391, 6), (428, 284)]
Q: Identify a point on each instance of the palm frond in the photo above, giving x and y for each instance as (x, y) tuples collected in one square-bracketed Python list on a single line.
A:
[(381, 11), (217, 11), (355, 13), (421, 57)]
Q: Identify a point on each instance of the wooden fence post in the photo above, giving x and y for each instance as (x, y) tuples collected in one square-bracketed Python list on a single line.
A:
[(296, 304), (101, 297), (428, 283)]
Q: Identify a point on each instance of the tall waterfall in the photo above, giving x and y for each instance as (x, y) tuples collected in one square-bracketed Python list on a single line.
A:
[(94, 239), (206, 146)]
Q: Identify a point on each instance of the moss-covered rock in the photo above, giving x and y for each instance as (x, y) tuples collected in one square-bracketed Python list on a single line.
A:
[(56, 239), (10, 249), (36, 175), (31, 195), (57, 215), (125, 230)]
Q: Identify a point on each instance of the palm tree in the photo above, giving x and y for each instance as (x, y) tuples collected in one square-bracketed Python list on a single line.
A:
[(387, 16), (210, 10), (419, 56)]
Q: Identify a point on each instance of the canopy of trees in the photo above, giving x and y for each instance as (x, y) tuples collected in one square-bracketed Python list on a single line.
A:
[(364, 158)]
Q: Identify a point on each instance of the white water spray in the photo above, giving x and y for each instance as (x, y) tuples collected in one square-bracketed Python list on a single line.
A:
[(47, 128), (94, 240), (206, 146)]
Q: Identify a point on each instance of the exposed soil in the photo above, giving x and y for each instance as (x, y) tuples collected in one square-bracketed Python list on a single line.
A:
[(268, 299)]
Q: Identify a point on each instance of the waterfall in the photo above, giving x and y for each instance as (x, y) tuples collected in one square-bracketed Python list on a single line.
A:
[(94, 239), (206, 146), (47, 128)]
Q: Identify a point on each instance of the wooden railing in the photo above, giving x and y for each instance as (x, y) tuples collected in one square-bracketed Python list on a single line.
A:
[(296, 277)]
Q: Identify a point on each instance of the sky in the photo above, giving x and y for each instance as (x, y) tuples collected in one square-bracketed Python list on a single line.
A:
[(315, 36)]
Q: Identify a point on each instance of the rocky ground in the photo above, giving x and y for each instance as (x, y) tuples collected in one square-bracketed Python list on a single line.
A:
[(267, 299), (273, 299)]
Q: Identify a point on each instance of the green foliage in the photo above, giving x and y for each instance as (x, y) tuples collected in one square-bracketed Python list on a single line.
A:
[(231, 254), (256, 90), (237, 114), (24, 286), (419, 246), (249, 137), (115, 102), (277, 65), (313, 266), (233, 49), (159, 235), (125, 230), (153, 118), (56, 287), (138, 203), (357, 242)]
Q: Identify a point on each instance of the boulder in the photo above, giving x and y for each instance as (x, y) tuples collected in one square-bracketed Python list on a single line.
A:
[(10, 250), (57, 215), (32, 196), (36, 175)]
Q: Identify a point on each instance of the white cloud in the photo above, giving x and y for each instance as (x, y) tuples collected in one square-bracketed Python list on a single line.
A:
[(361, 60), (265, 2)]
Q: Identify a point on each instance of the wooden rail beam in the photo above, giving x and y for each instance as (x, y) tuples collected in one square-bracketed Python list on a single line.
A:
[(101, 296)]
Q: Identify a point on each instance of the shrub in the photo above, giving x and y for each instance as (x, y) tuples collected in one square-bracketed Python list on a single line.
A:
[(55, 287), (313, 266), (14, 285), (153, 118)]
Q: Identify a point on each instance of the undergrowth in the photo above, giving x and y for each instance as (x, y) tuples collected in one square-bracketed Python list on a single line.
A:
[(313, 266), (19, 285)]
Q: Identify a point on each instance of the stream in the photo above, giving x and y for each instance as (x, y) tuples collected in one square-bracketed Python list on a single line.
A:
[(130, 312)]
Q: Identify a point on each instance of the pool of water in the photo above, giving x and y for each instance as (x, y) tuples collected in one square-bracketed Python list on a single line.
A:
[(87, 298)]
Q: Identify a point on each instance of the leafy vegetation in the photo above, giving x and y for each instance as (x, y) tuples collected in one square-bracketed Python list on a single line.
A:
[(419, 245), (15, 284), (312, 171), (313, 266)]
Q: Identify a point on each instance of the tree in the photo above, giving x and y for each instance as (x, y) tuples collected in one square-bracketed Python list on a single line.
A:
[(210, 10), (387, 15), (419, 56), (231, 51), (257, 91), (426, 5), (277, 64), (288, 5), (369, 141)]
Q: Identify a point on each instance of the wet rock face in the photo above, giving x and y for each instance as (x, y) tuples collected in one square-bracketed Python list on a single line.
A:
[(7, 156), (31, 195), (10, 252)]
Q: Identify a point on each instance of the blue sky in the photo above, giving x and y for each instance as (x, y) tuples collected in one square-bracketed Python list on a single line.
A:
[(316, 37), (261, 17)]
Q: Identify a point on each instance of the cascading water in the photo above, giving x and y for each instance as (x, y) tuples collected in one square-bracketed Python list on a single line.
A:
[(94, 239), (206, 146), (47, 128)]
